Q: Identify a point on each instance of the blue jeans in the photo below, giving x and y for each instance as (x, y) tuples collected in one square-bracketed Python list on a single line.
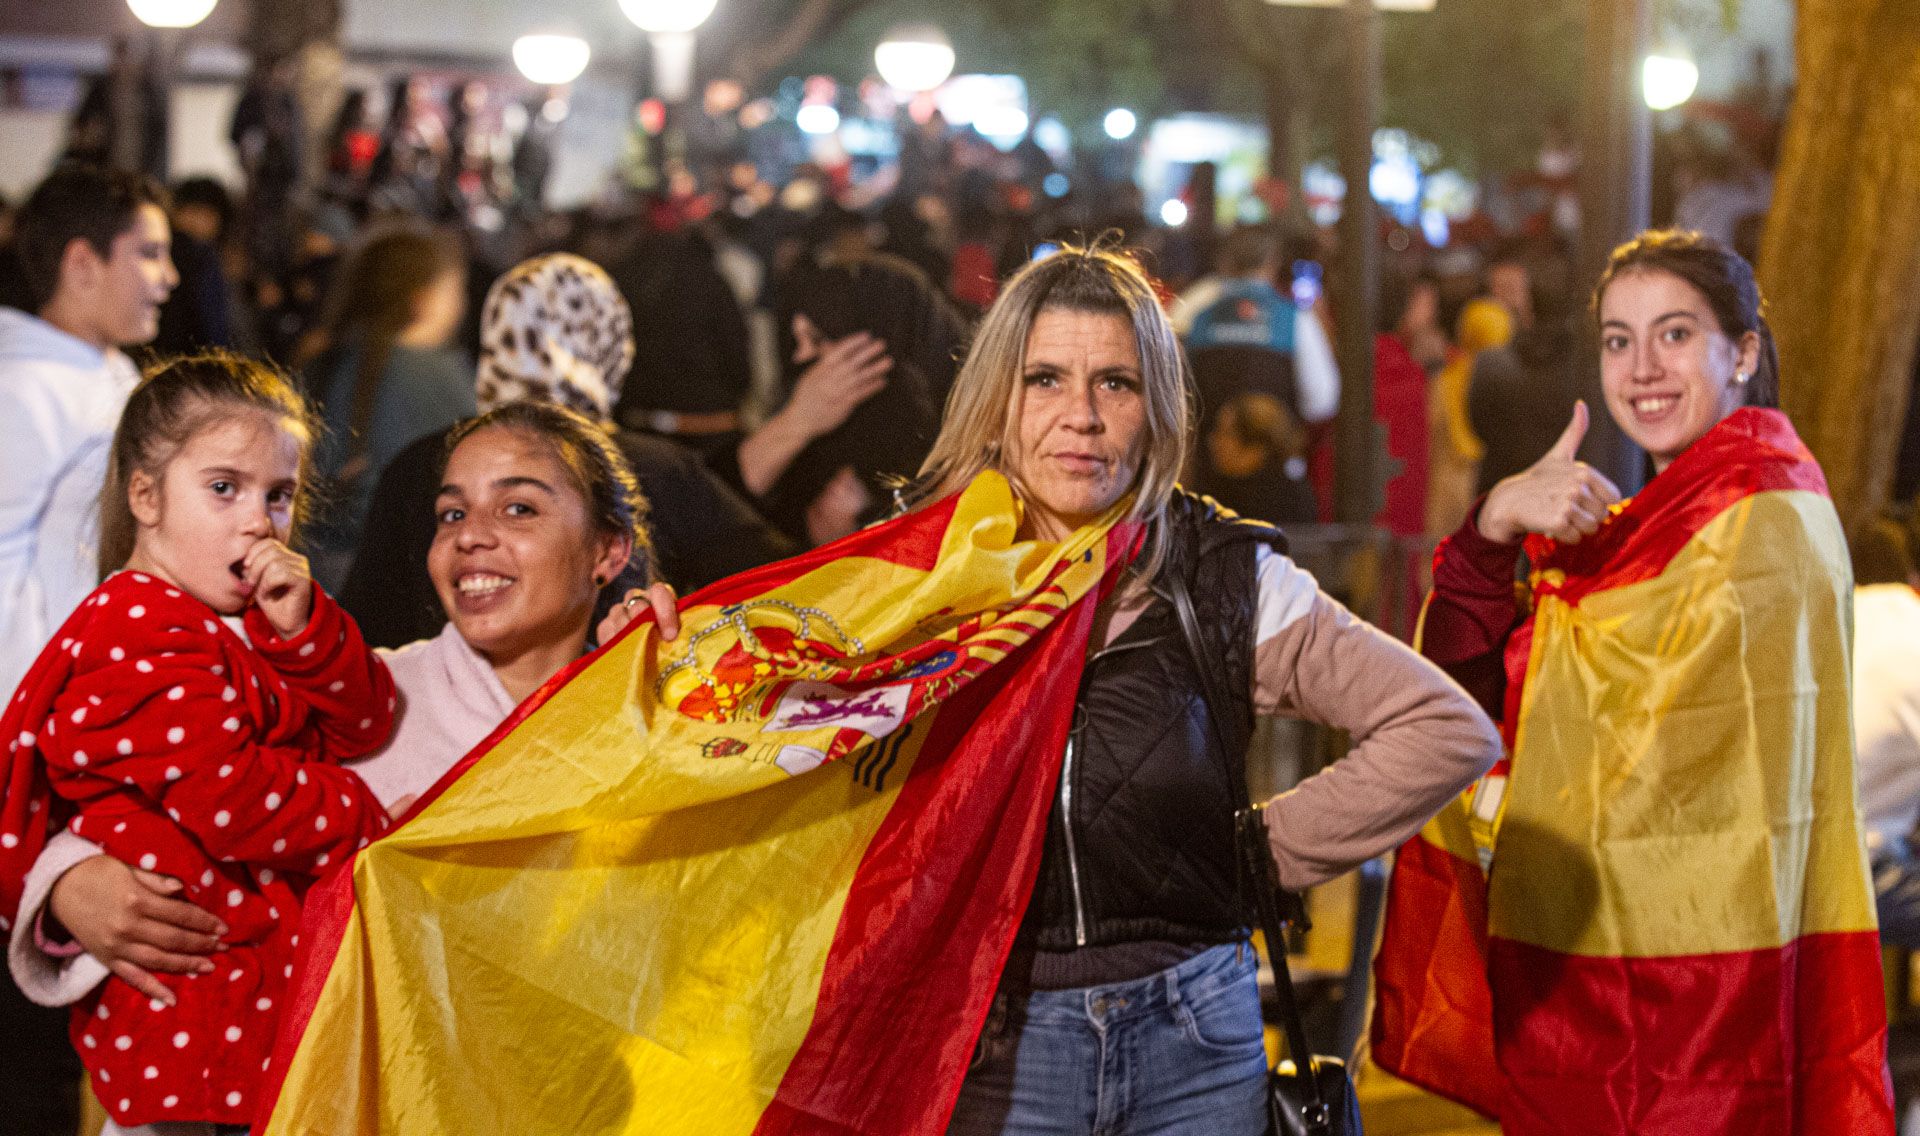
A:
[(1177, 1053)]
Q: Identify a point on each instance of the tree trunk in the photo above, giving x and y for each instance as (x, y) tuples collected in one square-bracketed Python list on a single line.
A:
[(1840, 260)]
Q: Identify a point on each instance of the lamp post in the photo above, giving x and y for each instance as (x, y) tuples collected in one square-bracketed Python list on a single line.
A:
[(135, 141), (915, 59), (1360, 441), (1616, 184), (669, 25)]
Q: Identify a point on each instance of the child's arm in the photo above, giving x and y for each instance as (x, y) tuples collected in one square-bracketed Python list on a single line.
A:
[(330, 667), (176, 725)]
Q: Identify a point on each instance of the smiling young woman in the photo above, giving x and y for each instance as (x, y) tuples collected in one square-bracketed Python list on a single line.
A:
[(537, 515), (1676, 827), (1674, 360)]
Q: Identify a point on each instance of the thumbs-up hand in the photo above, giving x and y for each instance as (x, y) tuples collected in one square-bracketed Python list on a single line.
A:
[(1559, 496)]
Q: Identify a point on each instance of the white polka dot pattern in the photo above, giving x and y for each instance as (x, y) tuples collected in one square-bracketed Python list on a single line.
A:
[(148, 692)]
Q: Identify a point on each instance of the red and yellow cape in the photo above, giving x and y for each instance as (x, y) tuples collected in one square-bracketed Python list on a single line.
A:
[(762, 879), (1676, 933)]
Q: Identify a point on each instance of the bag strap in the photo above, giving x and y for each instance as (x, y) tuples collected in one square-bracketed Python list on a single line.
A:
[(1273, 907), (1273, 903), (1213, 685)]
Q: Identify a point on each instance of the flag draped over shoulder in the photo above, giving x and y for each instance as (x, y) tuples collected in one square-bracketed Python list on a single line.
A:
[(1676, 933), (761, 879)]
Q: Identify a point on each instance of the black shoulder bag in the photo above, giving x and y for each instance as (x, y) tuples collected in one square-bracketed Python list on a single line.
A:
[(1323, 1102)]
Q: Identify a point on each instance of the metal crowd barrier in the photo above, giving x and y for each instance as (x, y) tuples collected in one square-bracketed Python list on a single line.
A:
[(1383, 579)]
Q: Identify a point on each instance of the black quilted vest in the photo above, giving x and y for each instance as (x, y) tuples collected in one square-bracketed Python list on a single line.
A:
[(1148, 795)]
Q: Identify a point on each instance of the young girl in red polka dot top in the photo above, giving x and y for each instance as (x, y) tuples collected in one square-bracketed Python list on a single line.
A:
[(150, 727)]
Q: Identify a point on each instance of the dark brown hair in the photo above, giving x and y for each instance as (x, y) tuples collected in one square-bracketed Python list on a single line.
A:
[(1716, 272), (76, 202), (373, 301), (174, 401), (595, 467)]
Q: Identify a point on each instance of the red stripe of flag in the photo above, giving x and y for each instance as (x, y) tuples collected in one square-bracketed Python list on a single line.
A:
[(1433, 1010), (888, 1049), (1779, 1042)]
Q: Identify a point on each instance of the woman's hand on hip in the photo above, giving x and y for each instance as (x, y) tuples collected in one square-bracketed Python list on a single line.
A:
[(1558, 496), (132, 921)]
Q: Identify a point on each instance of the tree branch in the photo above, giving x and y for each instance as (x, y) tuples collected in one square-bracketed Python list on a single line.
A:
[(759, 52)]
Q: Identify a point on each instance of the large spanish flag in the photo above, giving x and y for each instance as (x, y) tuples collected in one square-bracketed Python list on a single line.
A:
[(1676, 931), (762, 879)]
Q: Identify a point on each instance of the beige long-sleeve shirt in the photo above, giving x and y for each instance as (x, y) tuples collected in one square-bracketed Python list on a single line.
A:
[(1419, 740)]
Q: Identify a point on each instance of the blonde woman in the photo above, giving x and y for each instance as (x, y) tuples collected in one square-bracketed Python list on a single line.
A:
[(1129, 1003)]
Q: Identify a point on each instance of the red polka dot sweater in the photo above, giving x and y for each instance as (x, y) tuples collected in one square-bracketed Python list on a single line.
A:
[(150, 728)]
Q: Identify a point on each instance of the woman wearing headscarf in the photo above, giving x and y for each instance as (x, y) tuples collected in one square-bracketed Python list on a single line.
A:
[(554, 329)]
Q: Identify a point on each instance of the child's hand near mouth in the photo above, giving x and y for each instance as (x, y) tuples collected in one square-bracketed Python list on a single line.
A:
[(278, 581)]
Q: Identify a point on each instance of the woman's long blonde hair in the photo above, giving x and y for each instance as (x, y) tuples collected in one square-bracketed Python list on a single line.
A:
[(982, 423)]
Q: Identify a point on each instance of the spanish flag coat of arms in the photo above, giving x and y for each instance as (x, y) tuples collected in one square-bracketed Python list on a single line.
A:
[(761, 879), (1655, 917)]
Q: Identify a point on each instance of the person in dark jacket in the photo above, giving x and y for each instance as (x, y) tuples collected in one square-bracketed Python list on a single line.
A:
[(1129, 997), (1256, 462), (386, 375), (691, 367), (553, 329), (884, 440), (1520, 395), (199, 314)]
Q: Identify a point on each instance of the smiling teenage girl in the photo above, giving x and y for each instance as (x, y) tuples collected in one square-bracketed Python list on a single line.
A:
[(1677, 929)]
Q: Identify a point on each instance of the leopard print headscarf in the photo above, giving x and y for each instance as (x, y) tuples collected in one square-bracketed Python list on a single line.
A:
[(555, 329)]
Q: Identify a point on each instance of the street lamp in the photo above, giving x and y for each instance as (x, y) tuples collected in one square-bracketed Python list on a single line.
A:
[(670, 25), (818, 118), (914, 57), (668, 16), (1121, 123), (551, 60), (171, 13), (1667, 80)]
